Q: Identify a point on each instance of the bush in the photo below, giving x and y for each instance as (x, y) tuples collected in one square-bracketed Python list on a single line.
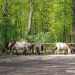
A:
[(43, 38)]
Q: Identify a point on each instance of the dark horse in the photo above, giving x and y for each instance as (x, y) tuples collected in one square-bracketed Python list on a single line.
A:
[(38, 48)]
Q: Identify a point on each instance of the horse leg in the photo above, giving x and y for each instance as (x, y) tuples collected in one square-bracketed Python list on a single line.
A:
[(25, 51), (32, 48), (57, 51), (38, 51), (69, 51), (11, 51)]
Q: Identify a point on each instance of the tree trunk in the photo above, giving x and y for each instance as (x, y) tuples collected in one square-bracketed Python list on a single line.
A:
[(30, 17), (5, 21), (5, 8)]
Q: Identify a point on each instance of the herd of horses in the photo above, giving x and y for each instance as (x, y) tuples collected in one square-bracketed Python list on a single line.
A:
[(24, 48)]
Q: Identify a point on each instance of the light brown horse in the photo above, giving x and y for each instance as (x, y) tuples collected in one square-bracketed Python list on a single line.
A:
[(64, 47), (17, 46)]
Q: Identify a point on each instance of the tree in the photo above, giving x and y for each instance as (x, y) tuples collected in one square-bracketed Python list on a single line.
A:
[(30, 16)]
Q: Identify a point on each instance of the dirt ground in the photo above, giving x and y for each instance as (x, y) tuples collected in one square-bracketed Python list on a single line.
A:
[(38, 65)]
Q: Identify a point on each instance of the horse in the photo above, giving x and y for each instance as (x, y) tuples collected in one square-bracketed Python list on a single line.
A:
[(38, 48), (72, 47), (17, 46), (63, 47)]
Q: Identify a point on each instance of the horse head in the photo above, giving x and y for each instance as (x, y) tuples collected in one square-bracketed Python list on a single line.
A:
[(11, 44)]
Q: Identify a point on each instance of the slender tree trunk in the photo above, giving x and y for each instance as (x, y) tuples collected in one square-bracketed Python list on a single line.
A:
[(30, 17), (64, 27), (5, 20), (5, 8)]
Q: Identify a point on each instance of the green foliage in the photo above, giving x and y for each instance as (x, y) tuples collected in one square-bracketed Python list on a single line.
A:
[(51, 20)]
